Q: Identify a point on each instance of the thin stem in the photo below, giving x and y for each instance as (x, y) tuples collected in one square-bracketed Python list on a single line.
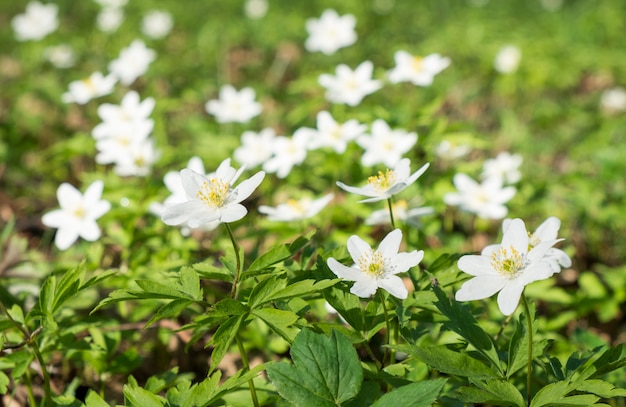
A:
[(388, 324), (246, 366), (371, 354), (530, 347), (390, 206), (29, 388), (234, 291), (504, 324)]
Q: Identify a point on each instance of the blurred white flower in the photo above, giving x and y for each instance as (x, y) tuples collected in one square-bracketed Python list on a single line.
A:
[(377, 268), (112, 3), (401, 212), (385, 145), (330, 32), (335, 135), (420, 71), (82, 91), (130, 110), (386, 184), (255, 9), (233, 106), (294, 210), (486, 199), (508, 59), (551, 5), (118, 140), (506, 268), (613, 100), (78, 214), (255, 148), (212, 198), (61, 56), (348, 86), (157, 24), (132, 62), (505, 166), (137, 159), (109, 19), (38, 21), (287, 152), (449, 151)]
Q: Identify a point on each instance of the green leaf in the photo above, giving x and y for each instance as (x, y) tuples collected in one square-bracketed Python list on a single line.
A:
[(552, 393), (325, 371), (280, 321), (152, 289), (578, 400), (169, 310), (275, 288), (94, 400), (348, 306), (610, 359), (223, 338), (190, 283), (492, 391), (601, 388), (451, 362), (138, 397), (211, 272), (276, 255), (4, 382), (46, 302), (229, 307), (422, 394)]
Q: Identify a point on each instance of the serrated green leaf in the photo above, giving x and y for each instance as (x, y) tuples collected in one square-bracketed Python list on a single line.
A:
[(94, 400), (190, 283), (46, 302), (169, 310), (421, 394), (552, 393), (325, 371), (348, 306), (501, 391), (610, 359), (138, 397), (274, 256), (479, 396), (4, 382), (223, 338), (211, 272), (265, 289), (233, 382), (451, 362), (578, 400), (152, 289), (443, 261), (68, 286), (277, 288), (601, 388), (280, 321)]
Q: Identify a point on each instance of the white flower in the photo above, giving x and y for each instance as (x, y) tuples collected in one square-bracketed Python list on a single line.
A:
[(78, 214), (385, 145), (137, 159), (112, 3), (84, 90), (61, 56), (485, 200), (613, 100), (157, 24), (420, 71), (448, 151), (255, 148), (348, 86), (38, 21), (330, 32), (388, 183), (132, 62), (255, 9), (212, 198), (109, 19), (118, 138), (401, 212), (335, 135), (506, 268), (293, 209), (505, 166), (130, 110), (287, 152), (507, 59), (233, 106), (377, 268)]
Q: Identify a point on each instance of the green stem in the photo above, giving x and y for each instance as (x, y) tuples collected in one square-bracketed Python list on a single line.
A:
[(504, 324), (246, 366), (390, 206), (234, 291), (379, 365), (388, 352), (530, 347)]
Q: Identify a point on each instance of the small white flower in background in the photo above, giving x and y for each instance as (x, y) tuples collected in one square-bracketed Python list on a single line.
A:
[(212, 198), (287, 152), (507, 267), (112, 3), (116, 138), (330, 32), (613, 100), (386, 184), (377, 268), (486, 199), (508, 59), (137, 159), (109, 19), (385, 145), (78, 214), (255, 148), (61, 56), (82, 91), (294, 210), (38, 21), (419, 71), (335, 135), (551, 5), (255, 9), (132, 62), (401, 212), (505, 166), (448, 151), (233, 106), (130, 110), (157, 24), (350, 87)]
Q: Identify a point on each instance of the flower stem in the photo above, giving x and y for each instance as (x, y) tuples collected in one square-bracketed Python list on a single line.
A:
[(390, 206), (234, 291), (246, 366), (530, 347), (389, 353)]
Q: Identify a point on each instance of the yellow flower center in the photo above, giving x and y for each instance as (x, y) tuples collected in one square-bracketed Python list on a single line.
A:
[(296, 206), (79, 212), (213, 192), (383, 181), (401, 204), (507, 262), (417, 64), (372, 263)]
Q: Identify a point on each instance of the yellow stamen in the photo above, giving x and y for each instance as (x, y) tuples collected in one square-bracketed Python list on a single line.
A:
[(507, 262), (213, 192), (417, 64), (383, 181), (372, 263)]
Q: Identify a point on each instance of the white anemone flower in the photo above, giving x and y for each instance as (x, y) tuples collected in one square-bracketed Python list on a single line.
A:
[(419, 71), (288, 152), (388, 183), (330, 32), (157, 24), (212, 198), (60, 56), (82, 91), (377, 268), (506, 268), (132, 62), (255, 148), (78, 214), (37, 22), (613, 100), (385, 145), (296, 209), (350, 86), (449, 151), (486, 199), (109, 19), (505, 166), (130, 110), (335, 135), (507, 60), (234, 106)]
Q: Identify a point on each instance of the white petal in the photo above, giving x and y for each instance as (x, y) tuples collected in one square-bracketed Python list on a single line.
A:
[(509, 297), (93, 193), (548, 230), (65, 237), (394, 285), (364, 288), (476, 265), (345, 272), (202, 218), (191, 181), (359, 191), (68, 196), (98, 209), (404, 261), (180, 213), (90, 231), (516, 236), (55, 218), (232, 213), (357, 246), (391, 243), (247, 187), (417, 174), (480, 287)]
